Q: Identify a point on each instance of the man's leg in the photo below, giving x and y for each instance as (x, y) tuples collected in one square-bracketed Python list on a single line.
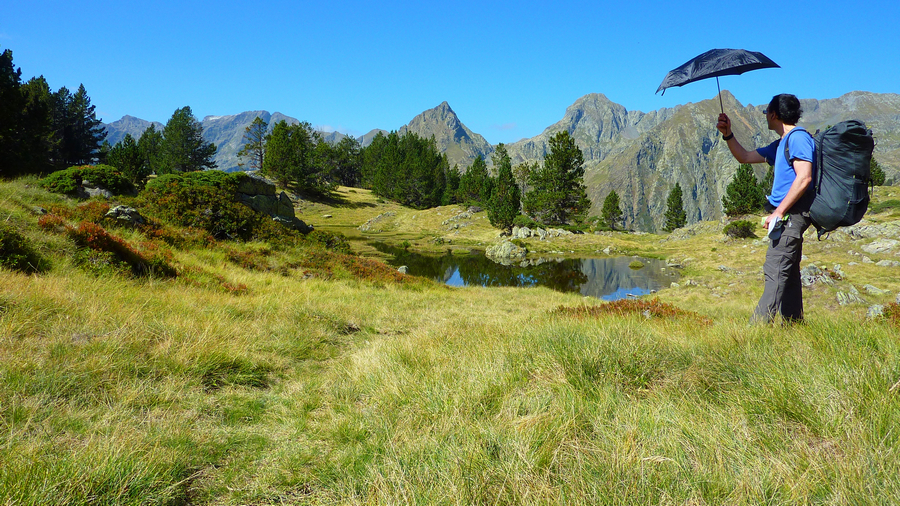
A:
[(782, 265)]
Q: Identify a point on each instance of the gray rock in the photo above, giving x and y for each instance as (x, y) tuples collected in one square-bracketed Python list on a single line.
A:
[(811, 274), (541, 233), (881, 246), (845, 299), (86, 192), (254, 184), (521, 233), (403, 269), (294, 223), (128, 215), (876, 311), (871, 290), (888, 263), (371, 225), (506, 252)]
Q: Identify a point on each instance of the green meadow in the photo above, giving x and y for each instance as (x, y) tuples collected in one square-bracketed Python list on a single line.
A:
[(271, 373)]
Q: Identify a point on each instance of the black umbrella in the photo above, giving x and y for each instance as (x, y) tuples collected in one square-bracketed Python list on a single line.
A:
[(715, 63)]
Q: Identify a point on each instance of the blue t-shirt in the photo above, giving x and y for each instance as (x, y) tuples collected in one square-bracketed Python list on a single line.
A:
[(802, 147)]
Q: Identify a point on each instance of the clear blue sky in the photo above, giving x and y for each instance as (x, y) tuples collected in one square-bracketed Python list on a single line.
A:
[(508, 69)]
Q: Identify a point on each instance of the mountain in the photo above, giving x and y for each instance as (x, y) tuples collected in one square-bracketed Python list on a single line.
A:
[(227, 133), (116, 130), (461, 145), (599, 127), (640, 155)]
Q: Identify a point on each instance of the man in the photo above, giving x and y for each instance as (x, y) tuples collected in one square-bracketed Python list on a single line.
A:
[(788, 204)]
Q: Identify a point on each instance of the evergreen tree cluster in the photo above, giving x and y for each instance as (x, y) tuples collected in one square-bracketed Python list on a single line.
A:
[(408, 169), (178, 147), (42, 130)]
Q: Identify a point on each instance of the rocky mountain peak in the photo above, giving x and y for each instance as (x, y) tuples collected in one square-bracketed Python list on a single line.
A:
[(451, 135)]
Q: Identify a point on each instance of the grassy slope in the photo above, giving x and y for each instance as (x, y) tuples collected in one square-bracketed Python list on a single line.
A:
[(315, 390)]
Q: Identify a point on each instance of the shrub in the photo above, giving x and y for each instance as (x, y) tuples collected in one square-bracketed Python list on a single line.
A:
[(204, 200), (740, 229), (17, 254), (67, 181), (524, 221), (623, 307), (117, 251), (93, 211)]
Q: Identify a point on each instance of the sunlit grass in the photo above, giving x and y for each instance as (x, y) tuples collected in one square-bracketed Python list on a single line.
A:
[(328, 380)]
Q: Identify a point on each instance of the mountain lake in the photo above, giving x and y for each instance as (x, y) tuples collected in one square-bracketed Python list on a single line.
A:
[(609, 278)]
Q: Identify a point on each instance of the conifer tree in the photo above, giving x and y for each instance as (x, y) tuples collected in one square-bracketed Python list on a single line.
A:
[(475, 184), (743, 195), (280, 158), (876, 173), (183, 148), (150, 146), (254, 148), (675, 215), (611, 213), (503, 206), (127, 157), (558, 195)]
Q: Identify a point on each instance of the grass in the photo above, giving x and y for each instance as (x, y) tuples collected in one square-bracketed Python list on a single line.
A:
[(327, 379)]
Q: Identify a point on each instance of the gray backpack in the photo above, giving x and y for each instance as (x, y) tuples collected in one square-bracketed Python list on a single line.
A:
[(841, 175)]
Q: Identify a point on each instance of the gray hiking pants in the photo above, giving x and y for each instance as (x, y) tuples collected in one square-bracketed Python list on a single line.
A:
[(783, 291)]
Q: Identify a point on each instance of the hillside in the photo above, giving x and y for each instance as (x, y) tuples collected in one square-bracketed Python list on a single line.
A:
[(264, 373)]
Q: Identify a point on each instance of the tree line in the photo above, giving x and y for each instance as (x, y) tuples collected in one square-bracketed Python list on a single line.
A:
[(43, 130)]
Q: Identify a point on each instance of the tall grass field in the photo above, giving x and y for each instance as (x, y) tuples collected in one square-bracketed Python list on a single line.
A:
[(271, 373)]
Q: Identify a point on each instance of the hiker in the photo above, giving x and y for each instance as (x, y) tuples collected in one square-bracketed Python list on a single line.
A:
[(788, 204)]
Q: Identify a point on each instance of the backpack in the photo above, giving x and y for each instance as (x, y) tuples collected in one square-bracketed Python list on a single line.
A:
[(841, 175)]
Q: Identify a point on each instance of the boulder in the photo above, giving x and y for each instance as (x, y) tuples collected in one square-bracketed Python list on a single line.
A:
[(127, 215), (254, 184), (506, 253), (881, 246), (876, 311)]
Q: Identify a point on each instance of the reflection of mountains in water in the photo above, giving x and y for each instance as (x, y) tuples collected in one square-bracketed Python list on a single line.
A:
[(613, 278), (606, 278)]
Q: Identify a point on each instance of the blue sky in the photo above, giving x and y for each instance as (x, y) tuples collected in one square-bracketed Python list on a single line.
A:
[(508, 69)]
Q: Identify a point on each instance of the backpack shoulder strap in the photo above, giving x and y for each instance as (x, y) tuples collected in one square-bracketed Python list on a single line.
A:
[(787, 139)]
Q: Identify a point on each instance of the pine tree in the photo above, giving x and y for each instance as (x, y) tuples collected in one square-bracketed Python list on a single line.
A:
[(281, 159), (254, 147), (127, 157), (183, 148), (503, 206), (36, 140), (877, 173), (87, 131), (451, 186), (150, 147), (558, 195), (743, 195), (475, 184), (611, 213), (675, 215)]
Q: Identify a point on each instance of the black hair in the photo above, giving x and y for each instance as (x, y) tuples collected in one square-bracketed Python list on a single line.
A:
[(787, 108)]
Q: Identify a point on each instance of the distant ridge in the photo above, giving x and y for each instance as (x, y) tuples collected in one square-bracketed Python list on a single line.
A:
[(640, 155)]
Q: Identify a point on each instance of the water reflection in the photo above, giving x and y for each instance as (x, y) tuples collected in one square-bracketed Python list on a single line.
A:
[(604, 278)]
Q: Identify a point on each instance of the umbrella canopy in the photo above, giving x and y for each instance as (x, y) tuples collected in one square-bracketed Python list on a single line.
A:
[(715, 63)]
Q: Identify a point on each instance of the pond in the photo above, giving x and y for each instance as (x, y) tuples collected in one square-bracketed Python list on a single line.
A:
[(610, 278)]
